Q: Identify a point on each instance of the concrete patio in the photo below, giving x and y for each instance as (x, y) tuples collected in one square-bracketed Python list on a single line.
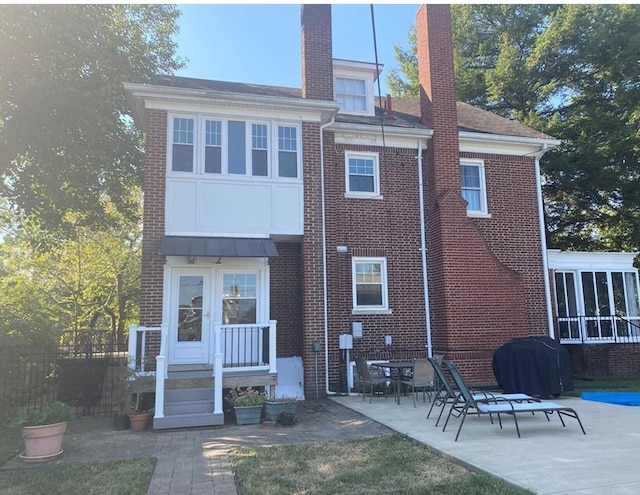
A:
[(548, 459)]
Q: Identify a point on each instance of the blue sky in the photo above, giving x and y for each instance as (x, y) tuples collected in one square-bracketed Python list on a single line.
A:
[(260, 43)]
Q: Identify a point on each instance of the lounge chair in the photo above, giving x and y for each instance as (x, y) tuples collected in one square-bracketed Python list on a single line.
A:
[(421, 378), (366, 378), (496, 405), (446, 394)]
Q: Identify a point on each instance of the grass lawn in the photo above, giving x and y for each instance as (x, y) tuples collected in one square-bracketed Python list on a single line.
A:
[(11, 443), (390, 464), (604, 384), (130, 477)]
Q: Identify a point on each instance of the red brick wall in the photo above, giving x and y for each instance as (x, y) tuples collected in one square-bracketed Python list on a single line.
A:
[(155, 167), (605, 360), (286, 298), (387, 227)]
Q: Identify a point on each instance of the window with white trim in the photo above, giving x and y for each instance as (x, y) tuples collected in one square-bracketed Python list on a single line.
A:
[(213, 147), (474, 189), (239, 298), (369, 283), (204, 145), (287, 151), (351, 93), (182, 149), (362, 174)]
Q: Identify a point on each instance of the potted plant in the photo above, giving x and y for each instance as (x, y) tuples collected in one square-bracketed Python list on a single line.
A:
[(138, 417), (247, 404), (127, 398), (274, 407), (43, 431)]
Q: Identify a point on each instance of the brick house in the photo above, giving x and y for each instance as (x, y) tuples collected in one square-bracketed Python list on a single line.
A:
[(277, 219)]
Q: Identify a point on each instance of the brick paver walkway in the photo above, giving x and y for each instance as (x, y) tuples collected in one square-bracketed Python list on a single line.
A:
[(196, 461)]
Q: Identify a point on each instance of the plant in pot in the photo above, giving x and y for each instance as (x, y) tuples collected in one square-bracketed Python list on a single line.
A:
[(274, 407), (43, 431), (138, 417), (247, 404)]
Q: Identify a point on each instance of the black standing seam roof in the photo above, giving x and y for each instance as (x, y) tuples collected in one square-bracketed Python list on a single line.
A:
[(228, 247)]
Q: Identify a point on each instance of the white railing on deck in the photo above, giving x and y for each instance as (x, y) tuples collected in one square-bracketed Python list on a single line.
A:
[(234, 348), (138, 359)]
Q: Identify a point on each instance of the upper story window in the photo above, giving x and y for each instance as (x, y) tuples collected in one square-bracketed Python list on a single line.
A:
[(362, 174), (287, 151), (353, 86), (474, 189), (204, 145), (369, 284), (351, 94), (213, 147), (182, 149)]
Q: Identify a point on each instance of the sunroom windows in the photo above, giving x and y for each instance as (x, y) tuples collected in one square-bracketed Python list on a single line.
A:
[(597, 305), (226, 147)]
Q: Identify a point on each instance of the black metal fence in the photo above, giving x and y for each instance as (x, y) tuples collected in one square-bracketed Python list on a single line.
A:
[(82, 371)]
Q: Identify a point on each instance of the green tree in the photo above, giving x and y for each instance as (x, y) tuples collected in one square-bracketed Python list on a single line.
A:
[(573, 72), (91, 281), (67, 143)]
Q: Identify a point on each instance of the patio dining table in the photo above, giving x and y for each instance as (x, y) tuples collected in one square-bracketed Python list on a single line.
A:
[(396, 368)]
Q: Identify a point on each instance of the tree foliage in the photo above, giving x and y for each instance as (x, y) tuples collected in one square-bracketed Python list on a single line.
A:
[(572, 71), (67, 143), (91, 281)]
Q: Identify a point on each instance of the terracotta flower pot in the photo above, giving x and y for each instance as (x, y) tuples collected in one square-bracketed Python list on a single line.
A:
[(139, 421), (42, 443)]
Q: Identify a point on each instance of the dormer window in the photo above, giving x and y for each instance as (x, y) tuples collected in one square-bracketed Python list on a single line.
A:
[(353, 86), (351, 94)]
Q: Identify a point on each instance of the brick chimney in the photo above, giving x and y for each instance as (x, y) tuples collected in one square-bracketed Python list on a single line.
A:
[(438, 91), (477, 300), (317, 52)]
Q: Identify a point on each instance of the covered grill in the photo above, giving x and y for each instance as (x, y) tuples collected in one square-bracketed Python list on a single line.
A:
[(537, 366)]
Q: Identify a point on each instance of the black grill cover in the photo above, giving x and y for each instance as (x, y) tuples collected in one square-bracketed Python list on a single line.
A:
[(537, 366)]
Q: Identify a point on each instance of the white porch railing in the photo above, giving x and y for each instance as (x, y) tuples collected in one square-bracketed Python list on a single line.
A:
[(233, 348)]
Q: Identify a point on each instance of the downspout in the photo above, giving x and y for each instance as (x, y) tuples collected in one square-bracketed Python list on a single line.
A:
[(543, 242), (325, 302), (423, 251)]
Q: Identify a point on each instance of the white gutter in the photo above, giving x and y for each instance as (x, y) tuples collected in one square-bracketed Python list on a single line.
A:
[(543, 243), (423, 252), (325, 303)]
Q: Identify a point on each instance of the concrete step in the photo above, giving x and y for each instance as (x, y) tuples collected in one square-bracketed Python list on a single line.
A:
[(188, 421)]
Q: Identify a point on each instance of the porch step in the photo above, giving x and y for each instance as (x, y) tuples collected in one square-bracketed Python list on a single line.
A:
[(188, 401), (188, 421), (190, 367)]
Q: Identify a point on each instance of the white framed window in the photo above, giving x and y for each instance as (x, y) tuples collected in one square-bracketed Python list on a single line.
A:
[(182, 144), (287, 151), (216, 146), (239, 298), (474, 189), (362, 174), (369, 284), (212, 146), (351, 93)]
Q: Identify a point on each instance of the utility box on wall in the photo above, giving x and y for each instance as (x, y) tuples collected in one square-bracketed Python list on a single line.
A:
[(356, 329)]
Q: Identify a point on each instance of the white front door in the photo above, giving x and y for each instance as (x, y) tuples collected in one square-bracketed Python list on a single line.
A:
[(190, 324)]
